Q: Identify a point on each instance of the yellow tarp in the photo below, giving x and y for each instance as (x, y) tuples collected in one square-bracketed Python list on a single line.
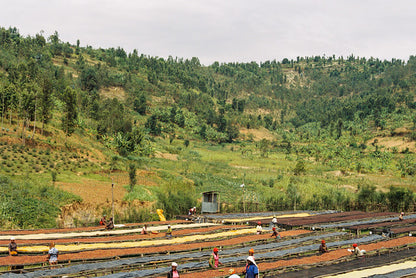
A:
[(160, 213), (144, 243)]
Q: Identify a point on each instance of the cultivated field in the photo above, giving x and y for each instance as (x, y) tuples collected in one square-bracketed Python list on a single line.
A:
[(125, 252)]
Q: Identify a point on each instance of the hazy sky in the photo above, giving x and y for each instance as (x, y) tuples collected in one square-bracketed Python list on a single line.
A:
[(225, 30)]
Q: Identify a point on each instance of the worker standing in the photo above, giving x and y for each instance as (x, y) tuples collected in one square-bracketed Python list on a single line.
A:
[(53, 255), (214, 259), (173, 273), (169, 232), (252, 271), (274, 221)]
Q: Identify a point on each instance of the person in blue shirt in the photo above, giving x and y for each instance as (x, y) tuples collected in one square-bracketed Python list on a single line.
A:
[(53, 255), (252, 271)]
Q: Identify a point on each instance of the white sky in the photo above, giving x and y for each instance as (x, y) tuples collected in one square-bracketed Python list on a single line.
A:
[(225, 30)]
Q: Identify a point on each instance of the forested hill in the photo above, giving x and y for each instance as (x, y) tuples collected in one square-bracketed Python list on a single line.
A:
[(77, 115), (40, 76)]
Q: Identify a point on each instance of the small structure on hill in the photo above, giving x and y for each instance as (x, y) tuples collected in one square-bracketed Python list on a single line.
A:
[(210, 202)]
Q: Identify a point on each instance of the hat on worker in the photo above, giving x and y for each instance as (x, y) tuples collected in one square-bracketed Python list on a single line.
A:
[(259, 223), (231, 271), (354, 245), (251, 250), (274, 229), (174, 264), (215, 249), (323, 241), (251, 259), (12, 238)]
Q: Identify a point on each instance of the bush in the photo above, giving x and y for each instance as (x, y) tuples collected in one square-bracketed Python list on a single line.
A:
[(28, 206), (176, 198)]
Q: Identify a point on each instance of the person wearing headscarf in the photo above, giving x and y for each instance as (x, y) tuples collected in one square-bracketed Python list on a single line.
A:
[(214, 259), (356, 251), (13, 247), (259, 228), (252, 271), (232, 273), (274, 221), (275, 233), (323, 248), (173, 273), (250, 254), (103, 220)]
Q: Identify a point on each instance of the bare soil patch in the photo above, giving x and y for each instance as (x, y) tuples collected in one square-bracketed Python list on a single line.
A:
[(94, 191), (258, 134), (401, 143), (113, 92), (169, 156)]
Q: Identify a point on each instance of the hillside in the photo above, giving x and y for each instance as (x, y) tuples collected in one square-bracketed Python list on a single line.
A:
[(312, 133)]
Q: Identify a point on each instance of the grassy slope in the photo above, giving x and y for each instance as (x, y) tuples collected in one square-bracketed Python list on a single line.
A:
[(208, 167)]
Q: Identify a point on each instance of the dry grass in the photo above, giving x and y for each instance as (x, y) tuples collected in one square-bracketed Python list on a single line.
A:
[(113, 92), (401, 143), (93, 191), (258, 134), (169, 156)]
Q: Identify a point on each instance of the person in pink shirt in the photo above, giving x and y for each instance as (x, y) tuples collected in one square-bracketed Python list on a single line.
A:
[(214, 260), (173, 273)]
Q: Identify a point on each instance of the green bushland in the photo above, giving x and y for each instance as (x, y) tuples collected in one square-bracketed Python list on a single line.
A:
[(28, 205), (335, 132)]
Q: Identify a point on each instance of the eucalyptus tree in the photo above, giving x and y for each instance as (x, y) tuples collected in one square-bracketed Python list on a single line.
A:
[(69, 119)]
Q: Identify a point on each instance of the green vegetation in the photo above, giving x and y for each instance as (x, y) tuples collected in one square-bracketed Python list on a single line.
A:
[(27, 205), (320, 132)]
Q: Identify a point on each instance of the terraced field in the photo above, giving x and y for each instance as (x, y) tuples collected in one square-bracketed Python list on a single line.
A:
[(124, 252)]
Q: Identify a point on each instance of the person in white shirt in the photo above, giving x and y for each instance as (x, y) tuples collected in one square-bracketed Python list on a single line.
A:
[(259, 228)]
